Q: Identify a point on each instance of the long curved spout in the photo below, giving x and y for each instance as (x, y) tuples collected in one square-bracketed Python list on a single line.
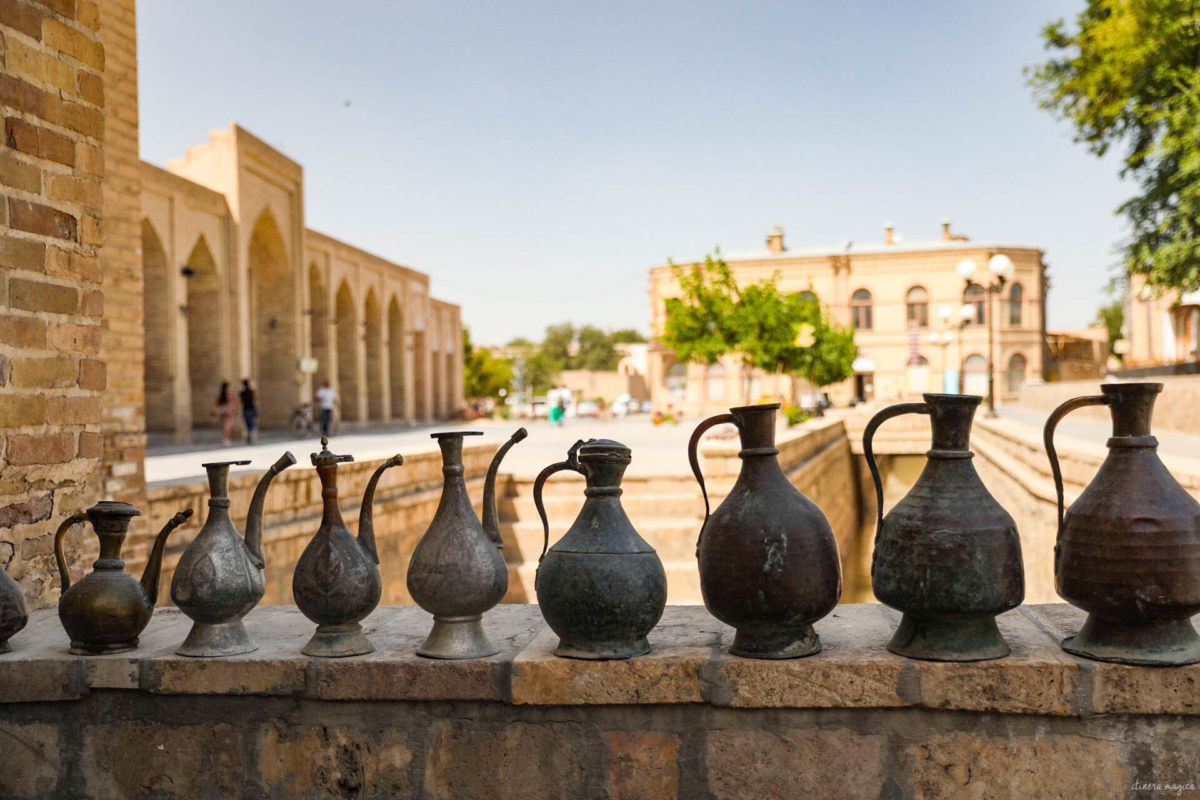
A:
[(366, 514), (254, 516), (491, 517), (154, 564)]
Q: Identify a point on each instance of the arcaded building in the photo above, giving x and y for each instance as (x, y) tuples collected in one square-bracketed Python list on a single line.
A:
[(236, 286), (905, 302)]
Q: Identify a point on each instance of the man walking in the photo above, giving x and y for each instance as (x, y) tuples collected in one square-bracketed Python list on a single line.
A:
[(327, 400)]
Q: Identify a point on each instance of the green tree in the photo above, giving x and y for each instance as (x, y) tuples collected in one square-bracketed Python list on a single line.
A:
[(1112, 317), (628, 336), (701, 324), (483, 375), (557, 345), (595, 350), (1130, 73)]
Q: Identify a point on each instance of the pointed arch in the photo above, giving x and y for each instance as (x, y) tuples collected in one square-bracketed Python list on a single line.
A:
[(373, 335), (205, 337), (272, 322), (157, 371), (346, 333), (318, 323), (395, 355)]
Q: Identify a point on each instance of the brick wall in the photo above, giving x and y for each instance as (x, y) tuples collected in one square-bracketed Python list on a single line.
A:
[(52, 87)]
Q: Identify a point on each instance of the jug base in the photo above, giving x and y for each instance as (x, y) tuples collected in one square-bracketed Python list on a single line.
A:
[(776, 644), (603, 651), (5, 647), (458, 637), (84, 649), (221, 639), (338, 641), (948, 639), (1150, 644)]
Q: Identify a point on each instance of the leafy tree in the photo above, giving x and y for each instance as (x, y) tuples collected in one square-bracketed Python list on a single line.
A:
[(595, 351), (483, 375), (1130, 74), (556, 346), (1112, 317), (628, 336), (701, 325)]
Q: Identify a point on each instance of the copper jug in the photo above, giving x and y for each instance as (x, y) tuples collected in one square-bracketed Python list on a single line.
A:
[(457, 572), (768, 559), (601, 588), (1128, 548), (219, 577), (947, 556), (13, 615), (107, 610), (336, 583)]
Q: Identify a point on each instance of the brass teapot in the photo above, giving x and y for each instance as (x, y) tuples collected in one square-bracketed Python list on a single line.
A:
[(107, 610)]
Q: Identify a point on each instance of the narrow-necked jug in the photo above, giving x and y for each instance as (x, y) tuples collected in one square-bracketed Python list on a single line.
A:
[(948, 555), (1128, 549), (457, 571), (336, 583), (219, 577), (13, 614), (601, 587), (106, 610), (768, 559)]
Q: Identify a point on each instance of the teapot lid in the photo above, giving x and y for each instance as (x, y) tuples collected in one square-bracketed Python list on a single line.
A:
[(114, 508), (604, 450), (326, 458)]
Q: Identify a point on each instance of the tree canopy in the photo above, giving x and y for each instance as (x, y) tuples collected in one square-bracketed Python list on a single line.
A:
[(483, 375), (1130, 73)]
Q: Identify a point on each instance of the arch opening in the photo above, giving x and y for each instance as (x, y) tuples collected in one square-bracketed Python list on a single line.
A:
[(395, 355), (318, 324), (157, 372), (346, 333), (205, 337), (272, 325), (373, 334)]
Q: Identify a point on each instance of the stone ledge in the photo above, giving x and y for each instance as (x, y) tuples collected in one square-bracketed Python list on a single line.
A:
[(688, 665)]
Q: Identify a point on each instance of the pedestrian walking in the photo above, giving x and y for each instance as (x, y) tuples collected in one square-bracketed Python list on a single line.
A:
[(249, 400), (327, 401), (225, 407)]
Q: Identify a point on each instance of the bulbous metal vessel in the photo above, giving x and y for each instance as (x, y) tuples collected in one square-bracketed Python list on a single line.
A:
[(219, 577), (13, 614), (1128, 549), (107, 610), (768, 559), (336, 583), (947, 556), (602, 587), (457, 572)]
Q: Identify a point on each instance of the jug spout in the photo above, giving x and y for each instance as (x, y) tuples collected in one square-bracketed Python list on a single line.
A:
[(366, 514), (154, 564), (254, 516), (491, 517)]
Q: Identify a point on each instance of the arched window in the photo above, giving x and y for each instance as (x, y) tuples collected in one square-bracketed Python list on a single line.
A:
[(1015, 295), (975, 378), (715, 378), (807, 297), (1014, 377), (676, 381), (860, 310), (974, 296), (917, 302)]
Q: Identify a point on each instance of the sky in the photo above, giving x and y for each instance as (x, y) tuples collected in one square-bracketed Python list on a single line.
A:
[(536, 159)]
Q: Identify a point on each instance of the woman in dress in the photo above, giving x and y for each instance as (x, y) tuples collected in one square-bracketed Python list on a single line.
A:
[(226, 407)]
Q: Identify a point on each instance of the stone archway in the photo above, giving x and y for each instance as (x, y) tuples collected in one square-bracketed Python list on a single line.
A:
[(272, 323), (435, 366), (373, 334), (205, 339), (346, 333), (395, 352), (420, 376), (157, 372), (318, 322)]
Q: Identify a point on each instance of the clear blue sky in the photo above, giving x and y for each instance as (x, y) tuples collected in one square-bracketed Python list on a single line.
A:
[(537, 158)]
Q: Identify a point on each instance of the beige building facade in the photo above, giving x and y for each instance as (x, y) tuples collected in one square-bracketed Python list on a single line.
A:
[(905, 302), (237, 287), (1162, 327)]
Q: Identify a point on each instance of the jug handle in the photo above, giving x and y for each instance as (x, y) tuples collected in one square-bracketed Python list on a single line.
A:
[(694, 443), (869, 452), (572, 463), (1048, 438), (60, 556)]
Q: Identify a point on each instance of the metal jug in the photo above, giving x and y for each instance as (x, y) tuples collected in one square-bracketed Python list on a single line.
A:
[(219, 577), (457, 572), (602, 587), (768, 559), (1128, 548), (13, 614), (947, 556), (107, 610), (336, 583)]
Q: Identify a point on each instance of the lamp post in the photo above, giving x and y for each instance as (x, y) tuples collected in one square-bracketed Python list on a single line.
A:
[(943, 339), (1001, 267), (964, 316)]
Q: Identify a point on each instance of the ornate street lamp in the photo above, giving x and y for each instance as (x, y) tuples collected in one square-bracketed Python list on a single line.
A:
[(1001, 267)]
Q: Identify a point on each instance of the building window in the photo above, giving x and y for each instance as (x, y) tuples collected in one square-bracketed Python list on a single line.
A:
[(917, 302), (1014, 377), (975, 295), (975, 377), (715, 377), (807, 297), (1015, 295), (860, 310), (676, 381)]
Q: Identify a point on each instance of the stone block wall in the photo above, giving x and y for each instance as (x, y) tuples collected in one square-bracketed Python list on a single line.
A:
[(52, 375), (1177, 407)]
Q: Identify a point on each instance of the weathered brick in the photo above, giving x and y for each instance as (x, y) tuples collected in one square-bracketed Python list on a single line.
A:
[(88, 13), (91, 230), (72, 410), (92, 303), (328, 762), (22, 331), (35, 509), (51, 298), (91, 87), (91, 445), (21, 409), (132, 759), (91, 374), (70, 189), (44, 373), (36, 546), (38, 141), (72, 42), (524, 760), (21, 95), (71, 264), (76, 117), (18, 174), (22, 254), (642, 765), (5, 369), (53, 448), (31, 62), (800, 762), (22, 16), (41, 219), (90, 159), (70, 338)]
